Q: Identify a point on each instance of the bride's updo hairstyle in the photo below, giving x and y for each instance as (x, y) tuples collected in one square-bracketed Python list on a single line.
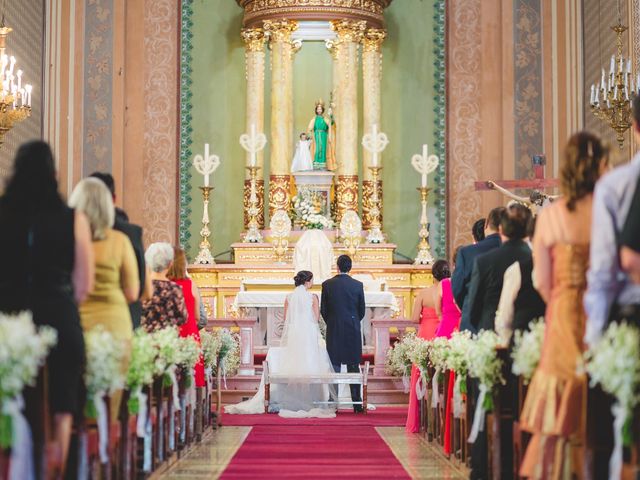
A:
[(302, 277), (583, 158)]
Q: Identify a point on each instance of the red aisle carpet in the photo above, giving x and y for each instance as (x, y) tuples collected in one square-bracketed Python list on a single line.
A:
[(347, 446)]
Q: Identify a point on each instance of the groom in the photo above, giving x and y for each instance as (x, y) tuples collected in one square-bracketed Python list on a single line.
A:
[(342, 307)]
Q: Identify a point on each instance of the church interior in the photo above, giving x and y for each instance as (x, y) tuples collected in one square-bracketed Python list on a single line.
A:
[(177, 178)]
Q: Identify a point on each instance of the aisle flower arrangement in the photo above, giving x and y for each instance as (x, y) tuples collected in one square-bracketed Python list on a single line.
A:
[(484, 364), (459, 344), (306, 210), (23, 349), (527, 347), (399, 356), (104, 373), (229, 353), (211, 344)]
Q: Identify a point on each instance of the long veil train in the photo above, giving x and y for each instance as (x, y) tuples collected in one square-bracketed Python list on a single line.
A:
[(301, 353)]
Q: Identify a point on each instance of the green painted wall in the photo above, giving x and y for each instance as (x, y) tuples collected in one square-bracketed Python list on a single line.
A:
[(218, 106)]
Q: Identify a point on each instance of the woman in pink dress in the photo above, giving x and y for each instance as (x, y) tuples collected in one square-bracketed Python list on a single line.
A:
[(430, 308)]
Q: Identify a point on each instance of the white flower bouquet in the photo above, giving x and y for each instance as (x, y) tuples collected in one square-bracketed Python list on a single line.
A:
[(306, 210), (484, 364), (459, 344), (23, 349), (419, 351), (104, 365), (439, 353), (527, 347), (188, 352), (229, 353), (142, 366), (614, 364), (211, 344), (399, 359)]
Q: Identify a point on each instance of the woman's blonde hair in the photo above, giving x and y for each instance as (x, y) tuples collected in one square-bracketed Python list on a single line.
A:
[(92, 197)]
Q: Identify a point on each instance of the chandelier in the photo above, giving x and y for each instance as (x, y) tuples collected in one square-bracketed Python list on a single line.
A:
[(15, 98), (612, 98)]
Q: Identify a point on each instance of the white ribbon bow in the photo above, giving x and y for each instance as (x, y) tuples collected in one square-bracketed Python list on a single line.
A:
[(435, 396), (21, 466), (103, 425), (615, 462), (174, 383), (421, 385), (479, 415), (458, 402)]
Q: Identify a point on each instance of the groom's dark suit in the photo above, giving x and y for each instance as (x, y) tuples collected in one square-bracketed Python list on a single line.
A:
[(342, 307)]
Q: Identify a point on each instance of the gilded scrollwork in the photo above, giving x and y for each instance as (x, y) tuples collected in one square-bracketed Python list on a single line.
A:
[(247, 203), (367, 203), (346, 194), (373, 38), (279, 193), (253, 39), (349, 30)]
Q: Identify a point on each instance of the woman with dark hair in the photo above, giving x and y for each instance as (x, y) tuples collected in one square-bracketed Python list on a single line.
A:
[(301, 353), (178, 274), (553, 410), (438, 315), (48, 269)]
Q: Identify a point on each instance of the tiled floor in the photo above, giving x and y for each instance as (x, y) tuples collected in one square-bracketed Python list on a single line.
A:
[(211, 457), (420, 459), (207, 461)]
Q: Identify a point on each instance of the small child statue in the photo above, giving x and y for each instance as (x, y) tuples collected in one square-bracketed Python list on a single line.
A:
[(302, 161)]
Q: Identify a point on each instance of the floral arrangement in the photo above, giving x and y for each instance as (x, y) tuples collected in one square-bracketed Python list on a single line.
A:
[(166, 342), (142, 366), (419, 353), (229, 353), (526, 351), (484, 364), (104, 362), (188, 352), (211, 344), (23, 349), (614, 364), (439, 353), (399, 356), (306, 210), (459, 344)]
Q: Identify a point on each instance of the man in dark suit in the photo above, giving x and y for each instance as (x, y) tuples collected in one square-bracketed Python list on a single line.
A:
[(342, 307), (461, 277), (134, 232), (483, 298)]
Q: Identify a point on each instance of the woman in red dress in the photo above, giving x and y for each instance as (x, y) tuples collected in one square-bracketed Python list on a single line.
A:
[(178, 274)]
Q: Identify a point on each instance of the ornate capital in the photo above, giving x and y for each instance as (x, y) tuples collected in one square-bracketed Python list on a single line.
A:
[(349, 30), (279, 30), (373, 38), (332, 46), (253, 39)]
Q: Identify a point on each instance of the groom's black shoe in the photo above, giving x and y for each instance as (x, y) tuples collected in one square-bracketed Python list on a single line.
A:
[(358, 409)]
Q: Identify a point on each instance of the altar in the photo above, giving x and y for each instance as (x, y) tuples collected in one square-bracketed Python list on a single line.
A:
[(268, 308)]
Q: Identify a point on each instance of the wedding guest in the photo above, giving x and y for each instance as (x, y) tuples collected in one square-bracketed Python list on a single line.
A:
[(426, 315), (47, 268), (484, 294), (134, 232), (465, 258), (555, 402), (477, 231), (178, 274), (611, 295), (116, 276), (166, 307)]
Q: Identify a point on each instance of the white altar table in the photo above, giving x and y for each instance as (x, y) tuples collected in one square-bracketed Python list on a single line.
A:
[(268, 307)]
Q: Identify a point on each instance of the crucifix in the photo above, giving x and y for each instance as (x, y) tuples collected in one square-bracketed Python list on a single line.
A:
[(539, 182)]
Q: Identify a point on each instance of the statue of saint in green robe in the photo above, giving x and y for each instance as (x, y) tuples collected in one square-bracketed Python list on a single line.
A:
[(322, 133)]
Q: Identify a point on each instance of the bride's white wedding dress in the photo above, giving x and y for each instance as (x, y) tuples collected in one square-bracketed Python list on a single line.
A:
[(301, 353)]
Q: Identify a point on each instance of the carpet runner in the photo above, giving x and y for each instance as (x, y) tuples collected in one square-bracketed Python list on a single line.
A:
[(347, 446)]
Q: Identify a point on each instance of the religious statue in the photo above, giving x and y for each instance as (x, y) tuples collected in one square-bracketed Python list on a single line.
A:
[(535, 201), (322, 132), (302, 161)]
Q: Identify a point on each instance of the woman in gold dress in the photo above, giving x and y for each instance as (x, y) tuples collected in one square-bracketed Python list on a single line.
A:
[(116, 271), (554, 409)]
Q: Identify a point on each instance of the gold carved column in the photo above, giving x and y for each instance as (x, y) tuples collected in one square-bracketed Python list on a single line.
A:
[(254, 40), (371, 79), (282, 50), (349, 36)]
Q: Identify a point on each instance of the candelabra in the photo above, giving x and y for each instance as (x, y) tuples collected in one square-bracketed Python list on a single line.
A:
[(612, 98), (15, 99), (253, 234), (424, 256), (375, 233), (204, 256)]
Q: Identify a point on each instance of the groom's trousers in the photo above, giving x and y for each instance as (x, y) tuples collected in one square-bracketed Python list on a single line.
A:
[(355, 389)]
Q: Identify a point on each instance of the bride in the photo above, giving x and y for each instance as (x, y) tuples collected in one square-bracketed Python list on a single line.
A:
[(301, 352)]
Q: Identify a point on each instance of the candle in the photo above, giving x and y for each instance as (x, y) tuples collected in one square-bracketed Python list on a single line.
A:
[(28, 89), (602, 81), (621, 66), (19, 79), (593, 94), (424, 155), (13, 63), (629, 66), (613, 64), (374, 156), (206, 156)]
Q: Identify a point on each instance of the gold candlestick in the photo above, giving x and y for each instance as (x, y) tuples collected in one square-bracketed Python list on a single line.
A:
[(253, 234), (204, 256), (375, 233), (424, 256)]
